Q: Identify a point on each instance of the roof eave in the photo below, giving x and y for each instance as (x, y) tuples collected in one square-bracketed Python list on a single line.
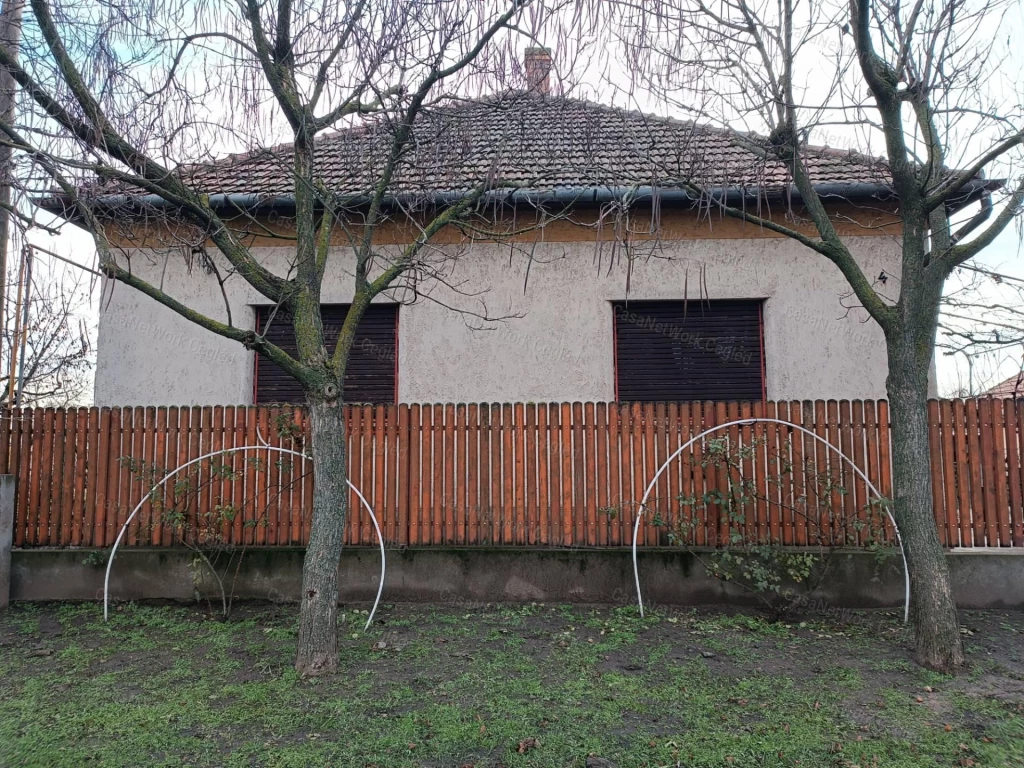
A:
[(256, 203)]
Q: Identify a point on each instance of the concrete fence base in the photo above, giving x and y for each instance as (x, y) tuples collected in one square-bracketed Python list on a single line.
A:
[(982, 578), (7, 485)]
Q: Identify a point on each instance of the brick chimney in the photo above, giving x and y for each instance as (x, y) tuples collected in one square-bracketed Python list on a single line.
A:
[(537, 63)]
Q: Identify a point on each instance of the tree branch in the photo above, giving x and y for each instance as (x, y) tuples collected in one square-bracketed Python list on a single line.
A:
[(249, 339), (953, 183), (835, 251), (958, 254)]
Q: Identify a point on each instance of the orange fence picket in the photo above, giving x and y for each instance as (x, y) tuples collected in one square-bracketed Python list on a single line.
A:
[(523, 474)]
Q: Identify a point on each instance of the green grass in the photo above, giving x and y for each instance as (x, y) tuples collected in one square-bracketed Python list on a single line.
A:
[(533, 685)]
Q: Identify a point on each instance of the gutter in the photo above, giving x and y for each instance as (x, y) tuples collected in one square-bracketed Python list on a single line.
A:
[(563, 195), (593, 194)]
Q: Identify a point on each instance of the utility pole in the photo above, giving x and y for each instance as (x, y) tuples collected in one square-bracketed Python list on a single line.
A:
[(17, 330), (10, 38), (27, 256)]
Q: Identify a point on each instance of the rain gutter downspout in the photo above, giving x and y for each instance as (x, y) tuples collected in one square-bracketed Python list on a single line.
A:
[(976, 221)]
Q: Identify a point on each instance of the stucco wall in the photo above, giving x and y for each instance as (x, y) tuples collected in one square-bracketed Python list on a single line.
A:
[(557, 343)]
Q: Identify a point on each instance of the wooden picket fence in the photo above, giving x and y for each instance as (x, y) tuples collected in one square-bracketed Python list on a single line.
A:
[(523, 474)]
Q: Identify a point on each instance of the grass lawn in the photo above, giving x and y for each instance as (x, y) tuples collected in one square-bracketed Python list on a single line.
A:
[(536, 685)]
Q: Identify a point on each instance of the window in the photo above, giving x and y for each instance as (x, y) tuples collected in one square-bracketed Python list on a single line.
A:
[(371, 376), (688, 350)]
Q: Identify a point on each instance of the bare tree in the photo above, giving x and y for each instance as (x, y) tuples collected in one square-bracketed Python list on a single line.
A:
[(927, 84), (48, 338), (129, 102), (981, 326)]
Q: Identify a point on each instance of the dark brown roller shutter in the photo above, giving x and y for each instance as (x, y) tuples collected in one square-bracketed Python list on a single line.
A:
[(675, 350), (370, 376)]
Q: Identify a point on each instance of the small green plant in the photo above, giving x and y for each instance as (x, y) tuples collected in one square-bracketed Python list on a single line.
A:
[(196, 510), (98, 558), (287, 429), (742, 547)]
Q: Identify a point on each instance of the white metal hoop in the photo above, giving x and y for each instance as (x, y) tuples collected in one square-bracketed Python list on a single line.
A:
[(747, 423), (120, 535)]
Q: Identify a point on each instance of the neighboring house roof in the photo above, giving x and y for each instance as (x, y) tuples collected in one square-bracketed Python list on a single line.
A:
[(1012, 387), (545, 146)]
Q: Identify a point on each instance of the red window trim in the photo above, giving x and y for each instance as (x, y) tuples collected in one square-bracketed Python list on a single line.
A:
[(760, 322)]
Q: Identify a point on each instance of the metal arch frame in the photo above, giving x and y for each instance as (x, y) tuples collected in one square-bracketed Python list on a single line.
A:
[(747, 423), (120, 535)]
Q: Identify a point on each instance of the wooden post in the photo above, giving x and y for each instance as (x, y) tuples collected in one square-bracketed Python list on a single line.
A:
[(7, 484), (13, 376)]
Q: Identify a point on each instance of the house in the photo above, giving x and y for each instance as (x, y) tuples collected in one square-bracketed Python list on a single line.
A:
[(634, 290), (1013, 387)]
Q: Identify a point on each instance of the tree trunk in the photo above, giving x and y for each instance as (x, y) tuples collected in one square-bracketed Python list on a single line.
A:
[(933, 609), (318, 626)]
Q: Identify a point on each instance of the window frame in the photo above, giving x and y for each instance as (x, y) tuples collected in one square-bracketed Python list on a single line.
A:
[(614, 304), (259, 313)]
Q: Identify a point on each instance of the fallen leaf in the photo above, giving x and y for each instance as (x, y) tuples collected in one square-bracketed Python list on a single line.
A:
[(526, 745)]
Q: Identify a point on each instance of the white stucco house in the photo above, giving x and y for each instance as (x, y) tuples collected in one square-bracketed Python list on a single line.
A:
[(635, 290)]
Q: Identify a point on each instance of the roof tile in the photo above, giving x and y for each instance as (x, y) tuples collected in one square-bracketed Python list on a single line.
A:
[(537, 142)]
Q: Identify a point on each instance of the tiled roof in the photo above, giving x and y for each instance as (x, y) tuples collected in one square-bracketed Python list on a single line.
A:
[(538, 142), (1012, 387)]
